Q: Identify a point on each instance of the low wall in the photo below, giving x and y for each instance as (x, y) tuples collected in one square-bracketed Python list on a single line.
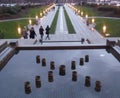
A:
[(3, 46), (7, 58)]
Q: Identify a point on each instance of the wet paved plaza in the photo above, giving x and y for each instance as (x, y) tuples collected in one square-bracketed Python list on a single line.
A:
[(22, 67)]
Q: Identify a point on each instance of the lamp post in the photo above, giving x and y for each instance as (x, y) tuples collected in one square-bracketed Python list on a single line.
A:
[(86, 16), (30, 21), (19, 30), (78, 11), (82, 13), (37, 20), (104, 29), (36, 17), (40, 15), (93, 20)]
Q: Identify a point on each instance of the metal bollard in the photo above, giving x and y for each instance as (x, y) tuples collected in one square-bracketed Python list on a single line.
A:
[(87, 81), (73, 65), (86, 58), (37, 59), (52, 65), (98, 86), (27, 87), (43, 62), (50, 76), (62, 70), (37, 82), (81, 61), (74, 76)]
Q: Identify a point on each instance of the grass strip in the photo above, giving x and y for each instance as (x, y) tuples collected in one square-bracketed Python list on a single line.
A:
[(70, 27), (113, 25), (54, 22), (9, 28), (35, 11)]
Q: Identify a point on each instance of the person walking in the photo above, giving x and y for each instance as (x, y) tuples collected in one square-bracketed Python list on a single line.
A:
[(24, 33), (32, 33), (41, 30), (47, 32)]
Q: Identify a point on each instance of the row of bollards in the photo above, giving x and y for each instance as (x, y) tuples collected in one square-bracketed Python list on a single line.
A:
[(52, 64), (97, 84), (82, 60), (27, 86)]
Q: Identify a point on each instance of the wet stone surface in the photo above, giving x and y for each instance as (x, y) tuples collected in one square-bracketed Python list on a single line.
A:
[(22, 67)]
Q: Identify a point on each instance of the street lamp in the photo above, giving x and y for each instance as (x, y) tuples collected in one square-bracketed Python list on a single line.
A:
[(40, 14), (104, 28), (78, 11), (36, 17), (19, 30), (30, 21), (86, 16), (82, 13), (93, 20)]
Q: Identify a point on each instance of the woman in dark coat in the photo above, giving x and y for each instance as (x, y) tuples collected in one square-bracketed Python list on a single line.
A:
[(32, 33), (47, 32), (41, 32)]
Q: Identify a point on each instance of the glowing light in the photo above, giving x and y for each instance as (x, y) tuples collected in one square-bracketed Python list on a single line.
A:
[(93, 20), (30, 21), (81, 13), (36, 17), (107, 34), (19, 30), (104, 29), (40, 14), (44, 12), (86, 16)]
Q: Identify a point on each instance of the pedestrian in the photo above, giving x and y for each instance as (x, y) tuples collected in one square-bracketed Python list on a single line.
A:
[(41, 30), (32, 33), (47, 32), (82, 40), (24, 33), (87, 22)]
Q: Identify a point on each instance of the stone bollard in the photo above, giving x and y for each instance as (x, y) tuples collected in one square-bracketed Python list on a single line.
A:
[(87, 81), (73, 65), (62, 70), (37, 59), (37, 82), (86, 58), (52, 65), (98, 86), (81, 61), (74, 76), (43, 62), (27, 87), (50, 76)]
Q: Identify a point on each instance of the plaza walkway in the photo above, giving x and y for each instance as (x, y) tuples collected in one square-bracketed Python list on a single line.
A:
[(61, 34)]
